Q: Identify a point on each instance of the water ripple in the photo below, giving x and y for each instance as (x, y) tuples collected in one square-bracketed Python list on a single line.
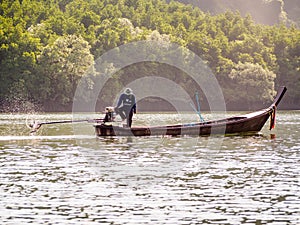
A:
[(53, 180)]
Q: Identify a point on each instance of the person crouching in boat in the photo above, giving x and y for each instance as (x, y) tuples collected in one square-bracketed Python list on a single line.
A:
[(109, 114), (126, 106)]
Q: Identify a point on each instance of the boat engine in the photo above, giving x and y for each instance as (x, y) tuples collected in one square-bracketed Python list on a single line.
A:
[(109, 114)]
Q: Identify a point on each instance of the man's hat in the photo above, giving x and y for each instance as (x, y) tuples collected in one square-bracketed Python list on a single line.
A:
[(128, 91)]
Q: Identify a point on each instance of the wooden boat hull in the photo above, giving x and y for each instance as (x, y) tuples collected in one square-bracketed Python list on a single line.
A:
[(249, 123), (227, 126)]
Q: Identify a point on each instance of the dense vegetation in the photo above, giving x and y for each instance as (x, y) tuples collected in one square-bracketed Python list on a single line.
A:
[(47, 46)]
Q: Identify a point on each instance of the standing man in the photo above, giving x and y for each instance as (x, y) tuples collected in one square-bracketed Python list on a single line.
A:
[(126, 106)]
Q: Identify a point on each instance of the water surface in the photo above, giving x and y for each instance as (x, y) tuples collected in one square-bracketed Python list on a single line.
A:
[(62, 176)]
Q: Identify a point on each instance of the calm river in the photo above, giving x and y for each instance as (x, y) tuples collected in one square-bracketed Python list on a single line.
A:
[(63, 174)]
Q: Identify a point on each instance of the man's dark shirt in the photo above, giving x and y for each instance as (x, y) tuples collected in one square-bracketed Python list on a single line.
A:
[(128, 102)]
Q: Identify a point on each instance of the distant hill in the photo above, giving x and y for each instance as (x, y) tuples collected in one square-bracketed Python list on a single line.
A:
[(47, 47), (292, 7), (267, 12)]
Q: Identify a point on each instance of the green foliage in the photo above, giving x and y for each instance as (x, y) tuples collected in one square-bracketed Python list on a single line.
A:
[(67, 61), (47, 46), (18, 52), (252, 83)]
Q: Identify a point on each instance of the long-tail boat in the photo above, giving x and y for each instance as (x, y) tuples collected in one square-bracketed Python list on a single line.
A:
[(243, 124)]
